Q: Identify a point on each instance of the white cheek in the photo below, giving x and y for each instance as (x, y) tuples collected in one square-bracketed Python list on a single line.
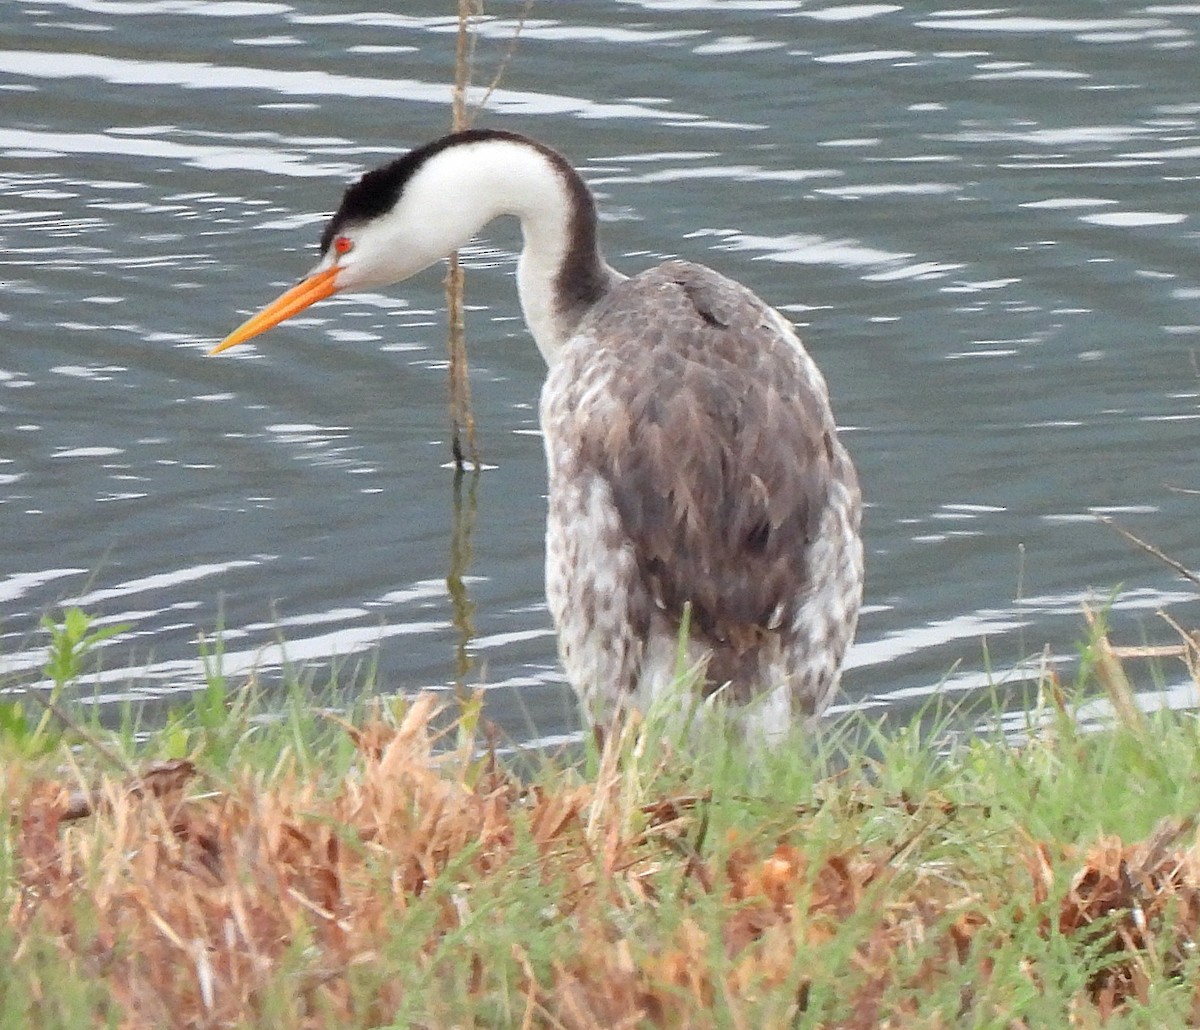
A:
[(355, 274), (381, 262), (433, 219)]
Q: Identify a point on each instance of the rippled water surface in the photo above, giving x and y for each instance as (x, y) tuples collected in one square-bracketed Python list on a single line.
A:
[(985, 222)]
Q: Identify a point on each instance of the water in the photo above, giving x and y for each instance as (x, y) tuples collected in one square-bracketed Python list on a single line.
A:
[(984, 221)]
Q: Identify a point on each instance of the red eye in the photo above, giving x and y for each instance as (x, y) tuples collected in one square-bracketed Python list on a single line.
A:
[(343, 245)]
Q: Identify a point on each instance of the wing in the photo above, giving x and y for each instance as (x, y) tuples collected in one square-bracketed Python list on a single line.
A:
[(696, 405)]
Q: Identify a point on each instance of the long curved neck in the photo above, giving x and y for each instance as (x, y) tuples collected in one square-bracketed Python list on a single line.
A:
[(561, 273)]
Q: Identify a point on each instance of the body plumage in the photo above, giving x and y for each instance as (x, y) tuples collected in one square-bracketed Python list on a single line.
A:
[(693, 459)]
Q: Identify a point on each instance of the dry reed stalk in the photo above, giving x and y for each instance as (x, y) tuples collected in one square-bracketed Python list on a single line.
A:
[(1111, 674), (1149, 548), (462, 417)]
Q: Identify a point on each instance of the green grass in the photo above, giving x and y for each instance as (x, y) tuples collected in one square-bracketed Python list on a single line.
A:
[(381, 868)]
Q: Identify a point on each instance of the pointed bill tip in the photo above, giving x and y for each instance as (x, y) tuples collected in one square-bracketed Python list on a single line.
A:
[(316, 287), (232, 340)]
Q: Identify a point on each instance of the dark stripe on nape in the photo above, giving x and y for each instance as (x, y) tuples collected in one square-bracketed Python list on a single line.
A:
[(378, 190)]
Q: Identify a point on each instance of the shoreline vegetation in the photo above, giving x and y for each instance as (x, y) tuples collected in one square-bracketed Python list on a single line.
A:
[(379, 863)]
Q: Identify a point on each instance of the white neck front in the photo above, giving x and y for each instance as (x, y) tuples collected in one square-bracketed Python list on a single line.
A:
[(457, 191)]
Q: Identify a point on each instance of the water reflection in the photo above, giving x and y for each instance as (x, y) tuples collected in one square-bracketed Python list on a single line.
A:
[(465, 508), (984, 222)]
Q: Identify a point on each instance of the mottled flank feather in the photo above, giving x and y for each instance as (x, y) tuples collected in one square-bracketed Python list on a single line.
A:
[(693, 458)]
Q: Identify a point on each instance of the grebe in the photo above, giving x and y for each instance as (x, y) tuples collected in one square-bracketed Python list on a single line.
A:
[(694, 464)]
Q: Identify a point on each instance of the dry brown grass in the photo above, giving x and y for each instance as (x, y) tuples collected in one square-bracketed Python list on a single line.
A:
[(433, 888)]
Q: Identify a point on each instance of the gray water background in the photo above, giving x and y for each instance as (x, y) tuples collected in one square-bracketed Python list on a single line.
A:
[(984, 221)]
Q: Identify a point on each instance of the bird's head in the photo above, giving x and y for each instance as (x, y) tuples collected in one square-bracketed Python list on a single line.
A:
[(391, 224)]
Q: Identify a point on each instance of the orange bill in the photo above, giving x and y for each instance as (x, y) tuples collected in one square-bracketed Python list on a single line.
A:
[(316, 287)]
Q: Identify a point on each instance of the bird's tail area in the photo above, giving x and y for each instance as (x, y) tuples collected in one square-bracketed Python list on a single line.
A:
[(734, 663)]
